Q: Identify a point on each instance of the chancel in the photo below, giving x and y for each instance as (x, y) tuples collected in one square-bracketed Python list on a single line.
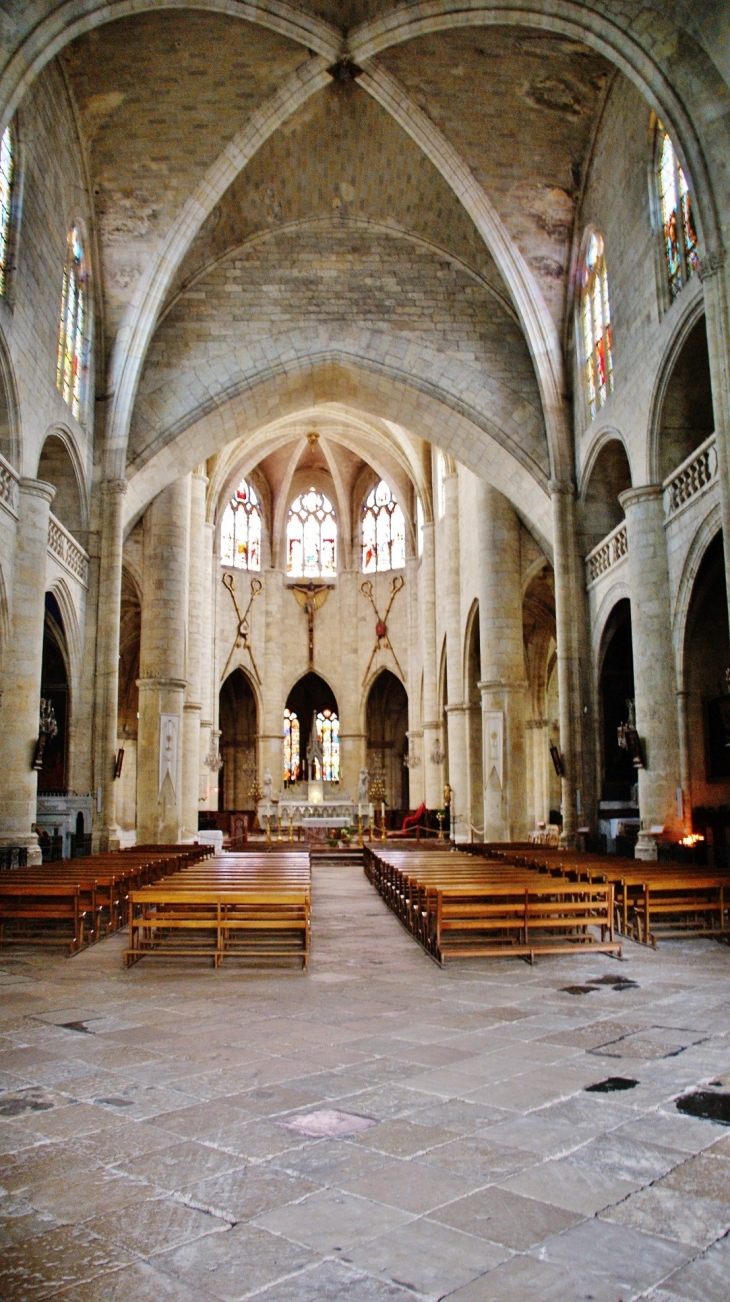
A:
[(364, 650)]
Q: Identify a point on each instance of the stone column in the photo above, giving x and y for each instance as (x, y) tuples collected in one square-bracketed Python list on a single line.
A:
[(715, 276), (353, 740), (162, 667), (107, 659), (271, 726), (193, 696), (22, 670), (208, 777), (456, 709), (433, 773), (503, 686), (416, 791), (570, 623), (655, 683)]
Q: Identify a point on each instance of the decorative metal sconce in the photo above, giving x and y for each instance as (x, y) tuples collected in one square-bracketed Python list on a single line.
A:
[(47, 727), (214, 759), (438, 754), (411, 760)]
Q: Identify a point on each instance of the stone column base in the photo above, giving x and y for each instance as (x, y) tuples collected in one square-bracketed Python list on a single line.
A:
[(646, 847)]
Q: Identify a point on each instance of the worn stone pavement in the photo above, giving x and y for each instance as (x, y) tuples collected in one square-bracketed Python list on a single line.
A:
[(145, 1154)]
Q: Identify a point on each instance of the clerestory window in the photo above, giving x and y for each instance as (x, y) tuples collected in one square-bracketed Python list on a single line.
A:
[(596, 320), (678, 233), (7, 176), (311, 536), (383, 532), (70, 370), (241, 530)]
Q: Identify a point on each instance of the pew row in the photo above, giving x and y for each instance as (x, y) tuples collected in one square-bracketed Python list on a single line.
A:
[(458, 907), (253, 907)]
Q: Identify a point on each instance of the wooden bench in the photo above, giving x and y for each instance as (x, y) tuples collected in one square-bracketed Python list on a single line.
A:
[(256, 908)]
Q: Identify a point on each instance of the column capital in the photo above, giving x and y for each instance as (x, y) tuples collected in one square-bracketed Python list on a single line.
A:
[(161, 684), (636, 496), (711, 264), (561, 487), (38, 488), (503, 685), (110, 487)]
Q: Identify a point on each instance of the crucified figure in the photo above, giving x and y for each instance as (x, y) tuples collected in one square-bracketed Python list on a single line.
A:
[(311, 596)]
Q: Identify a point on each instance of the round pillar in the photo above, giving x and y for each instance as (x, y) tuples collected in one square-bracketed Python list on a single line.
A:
[(655, 683), (193, 696), (22, 670)]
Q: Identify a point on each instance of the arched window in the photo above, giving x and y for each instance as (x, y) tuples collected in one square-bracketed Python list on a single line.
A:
[(241, 530), (328, 734), (596, 325), (70, 372), (311, 536), (680, 238), (383, 532), (7, 169), (291, 746)]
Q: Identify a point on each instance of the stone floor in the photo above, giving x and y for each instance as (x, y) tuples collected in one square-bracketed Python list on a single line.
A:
[(153, 1151)]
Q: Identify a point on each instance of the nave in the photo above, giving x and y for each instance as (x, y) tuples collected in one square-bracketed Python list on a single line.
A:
[(379, 1129)]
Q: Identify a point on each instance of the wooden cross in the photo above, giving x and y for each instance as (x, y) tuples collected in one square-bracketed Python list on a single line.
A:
[(381, 625), (311, 597), (242, 630)]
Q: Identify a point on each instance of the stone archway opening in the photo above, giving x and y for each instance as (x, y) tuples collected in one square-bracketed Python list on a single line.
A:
[(600, 511), (56, 467), (387, 738), (706, 661), (687, 416), (55, 692), (616, 689), (310, 700), (238, 727)]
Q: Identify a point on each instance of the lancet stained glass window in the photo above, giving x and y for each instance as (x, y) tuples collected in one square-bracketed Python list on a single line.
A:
[(291, 747), (678, 232), (311, 536), (596, 325), (241, 530), (7, 168), (70, 371), (328, 734), (383, 532)]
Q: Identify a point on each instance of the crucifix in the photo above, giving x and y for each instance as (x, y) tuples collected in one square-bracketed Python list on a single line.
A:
[(311, 597), (242, 628), (381, 625)]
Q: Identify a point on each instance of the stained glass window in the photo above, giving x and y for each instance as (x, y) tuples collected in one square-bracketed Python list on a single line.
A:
[(291, 747), (7, 166), (678, 232), (311, 536), (383, 532), (596, 325), (328, 734), (70, 372), (241, 530)]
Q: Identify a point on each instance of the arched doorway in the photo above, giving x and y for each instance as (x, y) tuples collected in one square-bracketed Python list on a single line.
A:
[(687, 416), (706, 660), (475, 738), (238, 719), (386, 720), (311, 708), (56, 467), (618, 774), (55, 693)]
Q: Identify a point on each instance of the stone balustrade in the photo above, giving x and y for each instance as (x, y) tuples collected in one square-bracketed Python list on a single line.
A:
[(8, 486), (609, 552), (66, 549), (695, 474)]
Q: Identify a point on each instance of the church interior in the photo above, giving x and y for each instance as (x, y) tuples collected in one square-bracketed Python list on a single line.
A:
[(364, 651)]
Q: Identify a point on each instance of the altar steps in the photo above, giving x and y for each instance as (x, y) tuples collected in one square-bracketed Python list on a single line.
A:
[(325, 854)]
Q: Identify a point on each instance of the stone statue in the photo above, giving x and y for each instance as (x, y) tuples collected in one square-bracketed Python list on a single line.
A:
[(363, 787), (268, 787)]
